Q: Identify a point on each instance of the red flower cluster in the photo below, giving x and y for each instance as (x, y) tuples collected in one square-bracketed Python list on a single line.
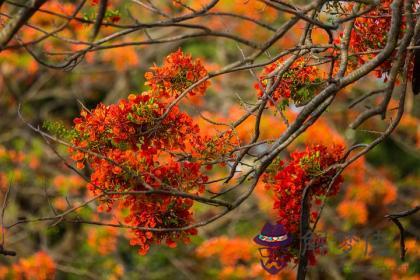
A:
[(130, 147), (218, 146), (289, 182), (370, 33), (298, 83), (129, 152), (178, 72)]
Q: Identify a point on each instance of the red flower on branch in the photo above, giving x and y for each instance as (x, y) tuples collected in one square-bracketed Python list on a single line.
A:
[(129, 152), (369, 35), (136, 146), (289, 181), (178, 73), (298, 83)]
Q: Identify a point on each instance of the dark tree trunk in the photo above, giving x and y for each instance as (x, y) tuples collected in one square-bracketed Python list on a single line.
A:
[(304, 239)]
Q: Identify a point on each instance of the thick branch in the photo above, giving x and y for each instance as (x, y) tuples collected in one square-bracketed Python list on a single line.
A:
[(14, 24)]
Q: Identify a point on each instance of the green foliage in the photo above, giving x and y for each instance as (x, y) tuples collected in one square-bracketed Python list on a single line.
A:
[(305, 92), (58, 129)]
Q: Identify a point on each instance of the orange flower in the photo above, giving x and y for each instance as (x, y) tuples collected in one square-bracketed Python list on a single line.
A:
[(355, 211), (39, 266), (298, 83), (230, 251), (178, 73), (103, 240), (119, 132)]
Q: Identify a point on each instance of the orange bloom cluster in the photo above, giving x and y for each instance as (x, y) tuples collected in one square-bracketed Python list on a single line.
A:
[(129, 153), (39, 266), (288, 183), (68, 184), (137, 146), (230, 251), (179, 72), (256, 10), (375, 191), (239, 259), (102, 240), (298, 83), (15, 165), (409, 128), (218, 146), (370, 32), (354, 211)]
